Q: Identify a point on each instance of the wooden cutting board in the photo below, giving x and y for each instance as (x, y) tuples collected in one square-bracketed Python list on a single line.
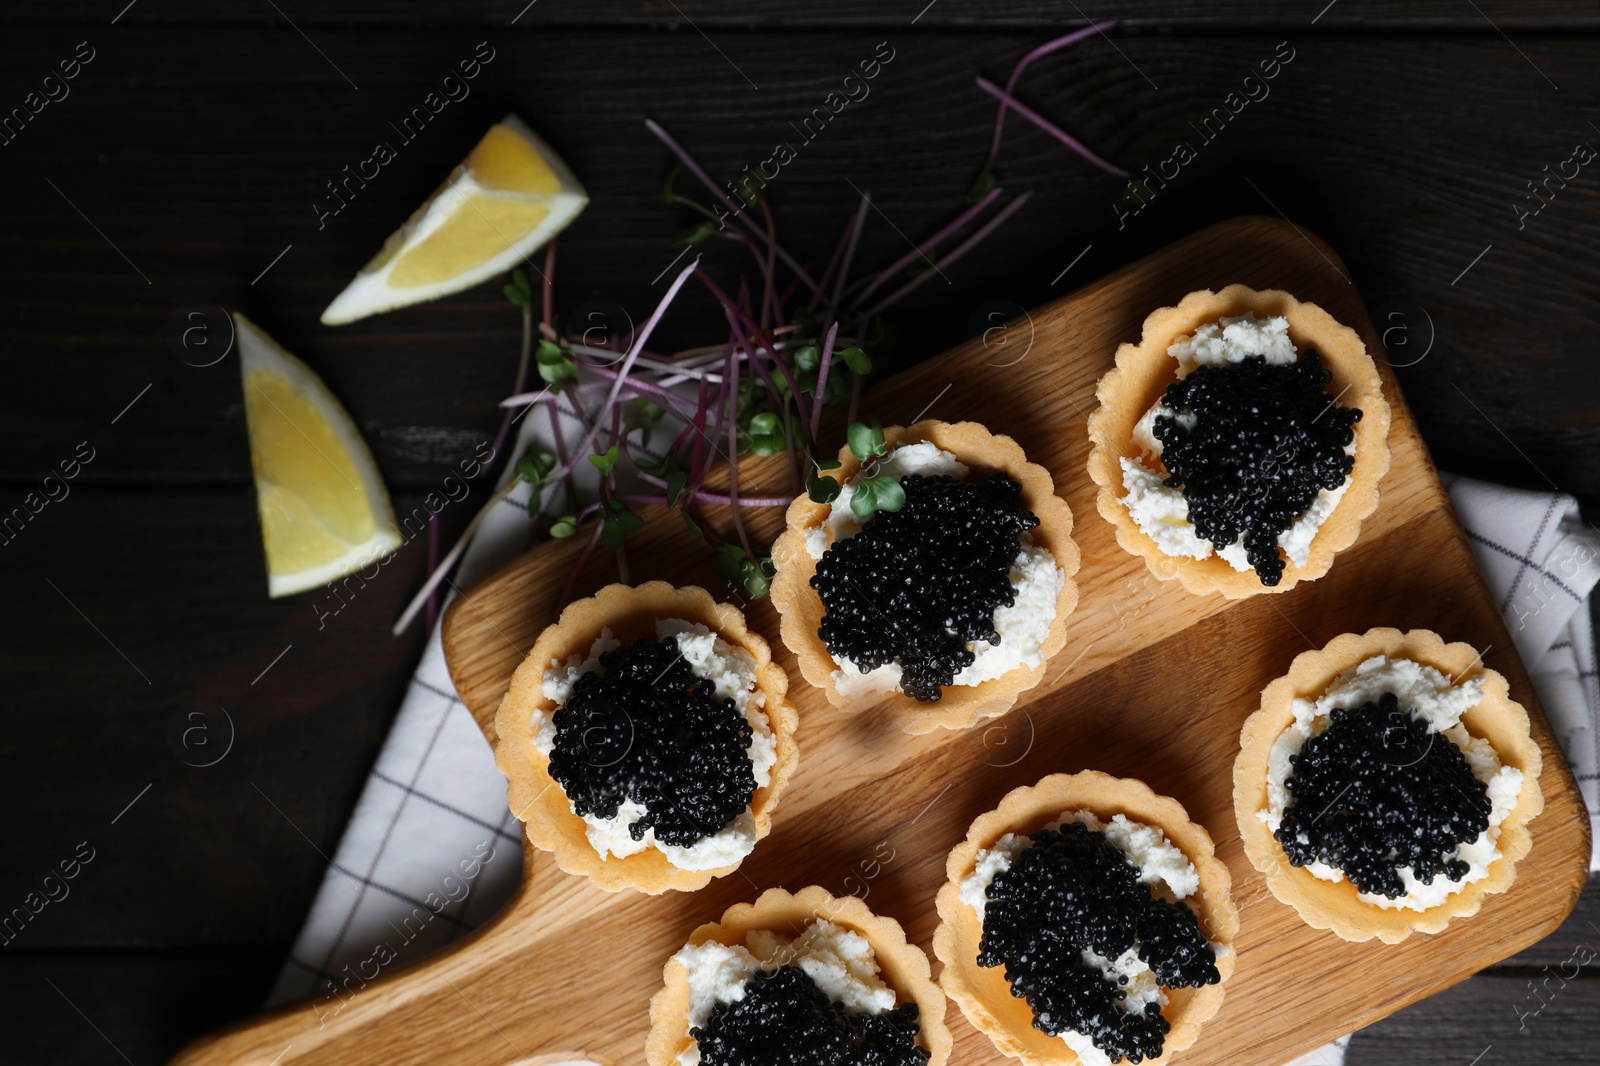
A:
[(1154, 683)]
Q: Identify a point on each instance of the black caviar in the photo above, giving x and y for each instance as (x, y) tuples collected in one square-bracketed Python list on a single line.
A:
[(1379, 789), (917, 586), (1072, 890), (1265, 439), (646, 728), (784, 1019)]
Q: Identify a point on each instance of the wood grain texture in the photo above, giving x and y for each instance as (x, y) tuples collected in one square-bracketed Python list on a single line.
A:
[(1405, 132), (1499, 1019), (523, 16), (1363, 140), (1154, 683)]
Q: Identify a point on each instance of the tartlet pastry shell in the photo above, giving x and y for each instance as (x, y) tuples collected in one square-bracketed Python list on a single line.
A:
[(1334, 904), (983, 993), (1141, 375), (539, 801), (902, 966), (800, 608)]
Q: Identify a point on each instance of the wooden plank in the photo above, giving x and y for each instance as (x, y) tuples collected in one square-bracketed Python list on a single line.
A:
[(175, 582), (1115, 706), (519, 15), (1413, 186), (1581, 927), (143, 1004), (1498, 1020)]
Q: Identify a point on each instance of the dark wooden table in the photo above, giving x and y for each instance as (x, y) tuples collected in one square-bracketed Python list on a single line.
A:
[(180, 167)]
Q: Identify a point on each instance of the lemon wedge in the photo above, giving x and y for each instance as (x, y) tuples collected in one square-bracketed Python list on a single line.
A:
[(324, 510), (506, 199)]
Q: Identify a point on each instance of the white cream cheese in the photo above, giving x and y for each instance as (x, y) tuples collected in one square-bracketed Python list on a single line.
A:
[(1231, 340), (1160, 511), (839, 962), (1022, 626), (1159, 862), (1441, 704), (733, 672)]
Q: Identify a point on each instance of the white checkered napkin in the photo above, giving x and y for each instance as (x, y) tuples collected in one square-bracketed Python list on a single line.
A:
[(398, 888), (1542, 561), (431, 851)]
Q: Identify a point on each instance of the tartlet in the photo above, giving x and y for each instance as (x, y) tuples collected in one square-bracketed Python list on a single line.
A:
[(1129, 392), (806, 539), (902, 967), (615, 617), (1368, 660), (984, 993)]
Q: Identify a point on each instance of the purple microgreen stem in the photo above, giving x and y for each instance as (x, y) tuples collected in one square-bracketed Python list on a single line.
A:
[(1049, 127), (635, 349), (922, 250), (849, 255), (694, 168), (1024, 63), (955, 253), (577, 569), (547, 318), (733, 451), (822, 379)]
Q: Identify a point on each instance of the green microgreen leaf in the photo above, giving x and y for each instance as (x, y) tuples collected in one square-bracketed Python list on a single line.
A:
[(766, 434), (605, 462), (555, 367), (619, 522), (518, 290), (564, 527), (806, 357), (694, 526), (822, 489), (875, 494), (758, 576), (866, 442), (694, 234), (668, 194), (981, 186), (535, 466), (675, 483), (738, 569), (856, 359), (729, 562)]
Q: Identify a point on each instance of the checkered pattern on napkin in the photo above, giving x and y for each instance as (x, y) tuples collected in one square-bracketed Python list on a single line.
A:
[(432, 850)]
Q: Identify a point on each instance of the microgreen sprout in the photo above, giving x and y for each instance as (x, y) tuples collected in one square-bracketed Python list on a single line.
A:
[(535, 466), (517, 290), (619, 521), (819, 486), (795, 344), (555, 366), (871, 491), (754, 576), (866, 442), (605, 461)]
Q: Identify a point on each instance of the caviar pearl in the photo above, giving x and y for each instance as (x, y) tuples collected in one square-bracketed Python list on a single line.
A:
[(784, 1019), (645, 730), (1069, 918), (1251, 444), (1377, 790), (920, 586)]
